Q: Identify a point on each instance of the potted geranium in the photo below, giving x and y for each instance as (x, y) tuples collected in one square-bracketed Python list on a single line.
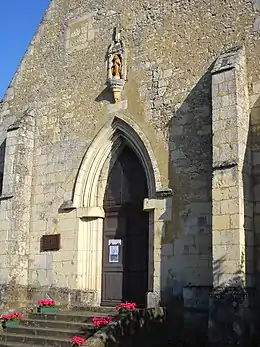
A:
[(100, 322), (11, 319), (47, 305), (77, 341), (126, 307)]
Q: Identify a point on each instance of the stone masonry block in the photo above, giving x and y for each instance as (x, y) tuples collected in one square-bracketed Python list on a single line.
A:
[(225, 252), (228, 236), (225, 178), (221, 222), (39, 225), (65, 256), (229, 75), (232, 266), (230, 206), (68, 224), (235, 220), (218, 78), (67, 267), (35, 247), (229, 135), (69, 243), (38, 198)]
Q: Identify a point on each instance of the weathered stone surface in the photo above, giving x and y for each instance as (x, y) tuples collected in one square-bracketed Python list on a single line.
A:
[(185, 120), (256, 4)]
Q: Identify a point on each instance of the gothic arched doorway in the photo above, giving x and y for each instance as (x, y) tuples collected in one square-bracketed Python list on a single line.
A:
[(126, 232)]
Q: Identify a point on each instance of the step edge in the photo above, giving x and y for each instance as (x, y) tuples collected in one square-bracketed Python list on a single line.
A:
[(18, 344), (56, 321), (51, 338), (74, 314), (44, 329)]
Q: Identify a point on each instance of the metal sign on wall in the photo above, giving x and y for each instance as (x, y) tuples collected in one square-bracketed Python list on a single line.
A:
[(50, 243)]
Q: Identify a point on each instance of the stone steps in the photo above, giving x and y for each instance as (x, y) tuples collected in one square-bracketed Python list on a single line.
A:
[(70, 316), (36, 331), (57, 324), (13, 344), (33, 340), (52, 329)]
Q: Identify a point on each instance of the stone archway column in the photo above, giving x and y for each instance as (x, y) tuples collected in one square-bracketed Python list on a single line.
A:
[(232, 210), (90, 241)]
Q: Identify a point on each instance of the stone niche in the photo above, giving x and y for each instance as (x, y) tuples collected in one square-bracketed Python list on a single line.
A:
[(116, 66)]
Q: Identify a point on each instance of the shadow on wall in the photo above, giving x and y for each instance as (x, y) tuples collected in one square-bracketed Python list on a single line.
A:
[(188, 274), (248, 176), (190, 174), (254, 184), (252, 214)]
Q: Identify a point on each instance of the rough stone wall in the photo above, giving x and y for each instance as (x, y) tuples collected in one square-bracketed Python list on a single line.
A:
[(15, 209), (168, 94)]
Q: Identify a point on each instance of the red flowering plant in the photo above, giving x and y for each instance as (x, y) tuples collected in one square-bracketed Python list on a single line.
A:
[(126, 307), (100, 322), (77, 341), (16, 316), (46, 302)]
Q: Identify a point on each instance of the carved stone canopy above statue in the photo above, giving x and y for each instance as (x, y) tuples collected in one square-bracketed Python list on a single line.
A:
[(116, 65)]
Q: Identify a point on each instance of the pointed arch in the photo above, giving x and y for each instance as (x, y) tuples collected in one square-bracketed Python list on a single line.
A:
[(108, 139), (88, 202)]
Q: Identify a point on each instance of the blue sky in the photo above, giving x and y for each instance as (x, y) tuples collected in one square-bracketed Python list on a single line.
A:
[(19, 20)]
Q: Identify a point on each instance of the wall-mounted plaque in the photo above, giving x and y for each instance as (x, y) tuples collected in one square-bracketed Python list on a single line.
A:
[(50, 243)]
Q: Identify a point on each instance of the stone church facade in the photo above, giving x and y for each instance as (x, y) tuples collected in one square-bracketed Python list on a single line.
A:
[(121, 104)]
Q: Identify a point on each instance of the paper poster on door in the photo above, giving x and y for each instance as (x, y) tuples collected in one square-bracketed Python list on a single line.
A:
[(113, 251)]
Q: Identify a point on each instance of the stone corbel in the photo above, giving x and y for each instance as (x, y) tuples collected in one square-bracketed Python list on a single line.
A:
[(161, 204), (159, 200), (83, 212), (90, 212)]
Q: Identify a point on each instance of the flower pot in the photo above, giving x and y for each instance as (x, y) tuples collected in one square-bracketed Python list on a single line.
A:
[(11, 323), (48, 309)]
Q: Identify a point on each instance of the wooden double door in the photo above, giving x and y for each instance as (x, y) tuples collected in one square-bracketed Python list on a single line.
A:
[(126, 234)]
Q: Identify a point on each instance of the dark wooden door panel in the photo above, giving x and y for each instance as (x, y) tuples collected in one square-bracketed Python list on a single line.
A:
[(125, 277), (112, 287), (112, 283)]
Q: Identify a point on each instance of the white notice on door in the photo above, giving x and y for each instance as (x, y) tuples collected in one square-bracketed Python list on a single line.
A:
[(114, 242), (113, 251)]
